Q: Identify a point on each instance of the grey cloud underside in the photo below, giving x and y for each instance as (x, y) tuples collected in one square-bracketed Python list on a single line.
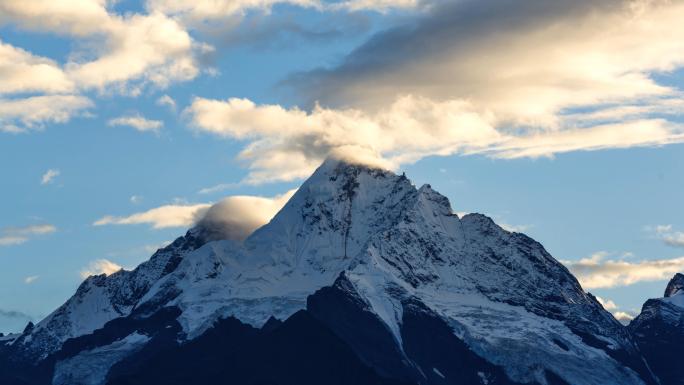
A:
[(426, 47)]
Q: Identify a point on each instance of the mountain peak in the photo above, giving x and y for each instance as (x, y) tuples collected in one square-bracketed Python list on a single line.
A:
[(675, 285), (402, 254), (335, 167)]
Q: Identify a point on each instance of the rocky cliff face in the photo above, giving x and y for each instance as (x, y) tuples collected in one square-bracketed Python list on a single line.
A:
[(659, 331), (385, 270)]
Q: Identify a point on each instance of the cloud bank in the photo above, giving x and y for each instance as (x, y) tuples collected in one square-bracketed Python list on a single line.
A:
[(503, 79), (287, 144)]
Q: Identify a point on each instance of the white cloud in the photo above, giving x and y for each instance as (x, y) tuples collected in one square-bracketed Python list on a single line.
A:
[(598, 272), (114, 53), (234, 217), (167, 101), (623, 317), (606, 303), (138, 122), (20, 115), (22, 71), (135, 199), (668, 235), (31, 279), (17, 235), (125, 51), (72, 17), (286, 144), (100, 266), (149, 49), (49, 176), (160, 217)]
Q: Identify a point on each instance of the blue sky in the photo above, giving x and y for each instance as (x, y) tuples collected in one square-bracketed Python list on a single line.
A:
[(151, 108)]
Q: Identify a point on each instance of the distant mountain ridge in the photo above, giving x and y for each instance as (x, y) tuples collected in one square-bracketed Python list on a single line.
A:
[(359, 265)]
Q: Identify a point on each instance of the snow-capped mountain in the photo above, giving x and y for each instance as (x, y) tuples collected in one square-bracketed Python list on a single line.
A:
[(360, 265), (659, 331)]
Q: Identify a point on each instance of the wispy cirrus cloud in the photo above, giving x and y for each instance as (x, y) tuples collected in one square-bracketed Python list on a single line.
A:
[(49, 176), (598, 271), (17, 235)]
